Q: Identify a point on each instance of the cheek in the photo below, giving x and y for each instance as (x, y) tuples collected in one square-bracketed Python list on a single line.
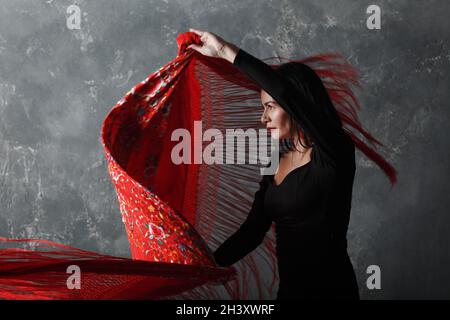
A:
[(283, 123), (283, 120)]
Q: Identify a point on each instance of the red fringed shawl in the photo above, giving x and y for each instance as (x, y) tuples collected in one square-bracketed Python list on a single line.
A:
[(174, 214)]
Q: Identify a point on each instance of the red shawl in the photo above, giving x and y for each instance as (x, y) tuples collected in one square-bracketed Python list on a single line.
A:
[(174, 214)]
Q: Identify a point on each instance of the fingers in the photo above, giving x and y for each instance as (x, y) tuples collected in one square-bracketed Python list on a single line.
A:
[(194, 47), (200, 33)]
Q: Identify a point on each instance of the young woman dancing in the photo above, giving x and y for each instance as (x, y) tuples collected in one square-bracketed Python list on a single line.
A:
[(309, 197)]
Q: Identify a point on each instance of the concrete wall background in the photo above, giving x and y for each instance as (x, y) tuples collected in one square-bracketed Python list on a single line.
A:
[(57, 85)]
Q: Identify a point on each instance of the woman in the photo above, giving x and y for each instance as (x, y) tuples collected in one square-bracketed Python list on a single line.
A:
[(309, 197)]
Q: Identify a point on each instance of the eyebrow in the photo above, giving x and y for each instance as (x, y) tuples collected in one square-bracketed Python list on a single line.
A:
[(271, 101)]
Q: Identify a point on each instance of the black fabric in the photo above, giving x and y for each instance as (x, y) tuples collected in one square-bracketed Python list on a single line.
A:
[(310, 207)]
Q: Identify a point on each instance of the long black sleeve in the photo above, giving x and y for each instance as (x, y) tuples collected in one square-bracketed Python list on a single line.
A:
[(323, 127), (249, 235)]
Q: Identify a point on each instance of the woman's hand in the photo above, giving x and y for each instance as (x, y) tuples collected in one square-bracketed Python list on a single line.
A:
[(214, 46)]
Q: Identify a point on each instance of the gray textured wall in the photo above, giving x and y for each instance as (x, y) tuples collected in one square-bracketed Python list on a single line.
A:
[(57, 85)]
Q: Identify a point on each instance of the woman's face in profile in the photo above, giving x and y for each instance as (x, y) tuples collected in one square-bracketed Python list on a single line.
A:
[(274, 116)]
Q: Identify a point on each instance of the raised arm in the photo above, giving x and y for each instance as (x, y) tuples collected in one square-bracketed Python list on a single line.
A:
[(251, 233), (323, 127)]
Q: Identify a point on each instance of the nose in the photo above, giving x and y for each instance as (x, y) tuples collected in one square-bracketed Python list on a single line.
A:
[(264, 117)]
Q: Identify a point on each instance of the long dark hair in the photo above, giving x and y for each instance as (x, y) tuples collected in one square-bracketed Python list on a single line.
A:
[(325, 80), (309, 84)]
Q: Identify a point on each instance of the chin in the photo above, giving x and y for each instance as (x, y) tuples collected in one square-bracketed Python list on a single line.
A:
[(281, 136)]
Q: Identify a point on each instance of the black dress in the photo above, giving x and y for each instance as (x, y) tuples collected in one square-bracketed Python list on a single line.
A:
[(310, 207)]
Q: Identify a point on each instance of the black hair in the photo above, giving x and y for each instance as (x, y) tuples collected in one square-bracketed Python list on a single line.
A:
[(310, 86)]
